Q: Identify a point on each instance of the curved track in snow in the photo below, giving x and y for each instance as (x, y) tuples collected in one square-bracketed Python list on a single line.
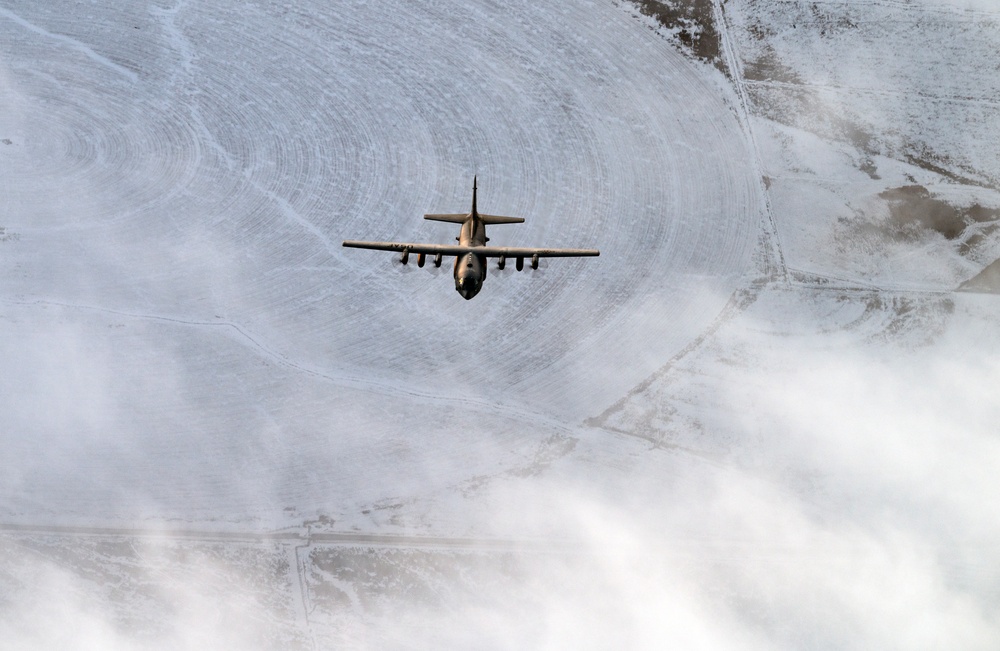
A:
[(202, 162)]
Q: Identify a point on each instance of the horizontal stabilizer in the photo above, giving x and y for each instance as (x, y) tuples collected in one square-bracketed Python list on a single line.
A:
[(500, 219), (457, 218)]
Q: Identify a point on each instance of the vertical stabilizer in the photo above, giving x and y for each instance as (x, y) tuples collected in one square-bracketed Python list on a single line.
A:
[(474, 211)]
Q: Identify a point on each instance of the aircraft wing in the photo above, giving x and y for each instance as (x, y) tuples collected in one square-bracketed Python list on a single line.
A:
[(487, 251), (527, 252)]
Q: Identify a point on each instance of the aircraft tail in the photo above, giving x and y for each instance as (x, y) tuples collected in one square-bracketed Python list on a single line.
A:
[(491, 219), (459, 218)]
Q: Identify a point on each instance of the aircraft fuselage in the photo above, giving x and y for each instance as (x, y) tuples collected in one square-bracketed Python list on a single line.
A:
[(470, 269)]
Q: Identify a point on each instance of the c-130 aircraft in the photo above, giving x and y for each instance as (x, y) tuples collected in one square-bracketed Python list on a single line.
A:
[(471, 251)]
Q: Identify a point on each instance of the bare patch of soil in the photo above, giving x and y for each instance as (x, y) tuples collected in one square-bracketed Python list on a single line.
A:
[(768, 67), (869, 167), (692, 25), (913, 209), (987, 280), (917, 216)]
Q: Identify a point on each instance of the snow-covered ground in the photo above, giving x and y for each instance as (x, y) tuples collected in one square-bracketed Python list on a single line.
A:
[(177, 281), (764, 417)]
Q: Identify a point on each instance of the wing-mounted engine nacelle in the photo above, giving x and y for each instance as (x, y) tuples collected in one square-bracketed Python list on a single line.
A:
[(437, 260), (501, 262), (534, 261), (421, 259), (520, 263), (406, 256)]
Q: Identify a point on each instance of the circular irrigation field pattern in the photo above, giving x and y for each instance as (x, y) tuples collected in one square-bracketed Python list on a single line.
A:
[(177, 313)]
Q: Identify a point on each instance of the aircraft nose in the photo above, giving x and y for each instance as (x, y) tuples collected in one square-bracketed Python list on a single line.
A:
[(466, 287)]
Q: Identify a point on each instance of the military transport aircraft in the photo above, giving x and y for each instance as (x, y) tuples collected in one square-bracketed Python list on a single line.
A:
[(471, 251)]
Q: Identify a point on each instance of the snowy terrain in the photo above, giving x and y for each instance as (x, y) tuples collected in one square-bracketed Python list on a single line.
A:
[(764, 417)]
